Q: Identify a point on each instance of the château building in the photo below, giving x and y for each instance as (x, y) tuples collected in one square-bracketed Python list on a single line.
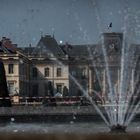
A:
[(51, 68), (17, 67)]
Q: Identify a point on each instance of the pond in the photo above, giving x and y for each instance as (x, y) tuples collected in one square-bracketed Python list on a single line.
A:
[(71, 127)]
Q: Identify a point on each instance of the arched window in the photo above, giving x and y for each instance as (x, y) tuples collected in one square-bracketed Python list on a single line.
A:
[(59, 72), (47, 72)]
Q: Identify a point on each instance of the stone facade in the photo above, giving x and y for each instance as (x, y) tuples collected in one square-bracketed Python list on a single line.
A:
[(47, 77), (16, 68), (17, 73), (67, 69)]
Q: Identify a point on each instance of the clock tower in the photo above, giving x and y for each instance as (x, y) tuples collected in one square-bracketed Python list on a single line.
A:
[(113, 46), (113, 42)]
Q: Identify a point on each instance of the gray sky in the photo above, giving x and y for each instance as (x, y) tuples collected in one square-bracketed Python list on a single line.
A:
[(74, 21)]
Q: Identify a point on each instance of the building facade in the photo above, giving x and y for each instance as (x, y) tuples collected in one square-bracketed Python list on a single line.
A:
[(50, 69), (16, 67)]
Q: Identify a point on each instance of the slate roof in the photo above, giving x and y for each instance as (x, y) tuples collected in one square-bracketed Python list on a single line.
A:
[(48, 46), (81, 51), (28, 50), (6, 46)]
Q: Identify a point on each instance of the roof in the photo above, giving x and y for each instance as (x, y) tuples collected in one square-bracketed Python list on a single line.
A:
[(113, 35), (6, 46), (28, 50), (48, 46), (82, 51)]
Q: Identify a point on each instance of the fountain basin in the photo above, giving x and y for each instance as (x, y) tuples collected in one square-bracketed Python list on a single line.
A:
[(118, 129)]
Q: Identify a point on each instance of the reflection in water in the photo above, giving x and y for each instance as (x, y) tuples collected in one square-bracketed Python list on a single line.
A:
[(44, 128)]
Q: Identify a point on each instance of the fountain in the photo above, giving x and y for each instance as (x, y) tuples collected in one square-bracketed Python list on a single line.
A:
[(118, 128), (120, 87), (120, 93)]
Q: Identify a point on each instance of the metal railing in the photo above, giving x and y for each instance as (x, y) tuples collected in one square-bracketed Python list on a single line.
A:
[(47, 101)]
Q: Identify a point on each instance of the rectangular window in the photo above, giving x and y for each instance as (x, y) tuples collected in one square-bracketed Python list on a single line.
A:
[(59, 72), (34, 72), (73, 73), (46, 72), (59, 88), (11, 87), (84, 74), (11, 68), (35, 90), (46, 89)]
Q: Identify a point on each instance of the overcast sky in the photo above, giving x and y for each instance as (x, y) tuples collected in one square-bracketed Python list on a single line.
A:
[(74, 21)]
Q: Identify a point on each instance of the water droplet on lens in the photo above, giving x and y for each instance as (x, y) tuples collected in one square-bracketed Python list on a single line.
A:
[(12, 119), (15, 130), (71, 122)]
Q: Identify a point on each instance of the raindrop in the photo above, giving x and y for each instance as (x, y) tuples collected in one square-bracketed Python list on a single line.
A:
[(17, 25), (129, 9), (21, 61), (125, 11), (52, 28), (119, 12), (68, 12), (71, 36), (34, 39), (111, 13), (41, 29), (23, 33), (37, 10), (60, 41), (74, 117), (78, 107), (71, 122), (12, 119), (15, 130)]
